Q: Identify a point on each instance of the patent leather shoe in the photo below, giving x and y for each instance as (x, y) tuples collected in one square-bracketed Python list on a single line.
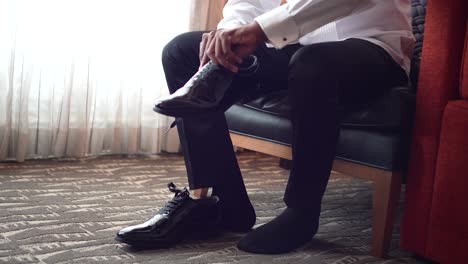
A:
[(179, 218), (203, 93)]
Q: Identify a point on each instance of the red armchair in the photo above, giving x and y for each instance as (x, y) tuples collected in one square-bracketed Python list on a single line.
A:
[(435, 223)]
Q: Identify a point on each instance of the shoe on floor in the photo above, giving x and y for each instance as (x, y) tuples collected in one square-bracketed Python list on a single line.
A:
[(179, 218)]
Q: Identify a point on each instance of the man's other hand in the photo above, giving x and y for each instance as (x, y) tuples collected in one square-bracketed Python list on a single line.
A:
[(229, 47)]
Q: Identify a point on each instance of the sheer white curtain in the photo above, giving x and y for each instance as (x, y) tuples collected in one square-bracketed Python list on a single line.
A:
[(79, 77)]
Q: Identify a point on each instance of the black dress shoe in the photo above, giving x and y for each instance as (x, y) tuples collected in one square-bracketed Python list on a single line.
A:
[(180, 217), (204, 91)]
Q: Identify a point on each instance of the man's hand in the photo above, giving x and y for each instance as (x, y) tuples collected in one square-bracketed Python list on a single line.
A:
[(228, 47)]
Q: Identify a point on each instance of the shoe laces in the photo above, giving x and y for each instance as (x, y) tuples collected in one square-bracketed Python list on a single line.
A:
[(173, 124), (180, 195), (202, 73), (249, 68)]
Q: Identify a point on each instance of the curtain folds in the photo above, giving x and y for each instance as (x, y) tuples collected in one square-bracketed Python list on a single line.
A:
[(205, 14), (79, 78)]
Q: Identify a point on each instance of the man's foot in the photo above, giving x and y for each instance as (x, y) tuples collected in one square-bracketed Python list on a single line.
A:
[(288, 231), (237, 212), (180, 217), (238, 217)]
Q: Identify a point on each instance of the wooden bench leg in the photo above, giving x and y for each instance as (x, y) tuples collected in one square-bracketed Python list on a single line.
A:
[(386, 195), (387, 186)]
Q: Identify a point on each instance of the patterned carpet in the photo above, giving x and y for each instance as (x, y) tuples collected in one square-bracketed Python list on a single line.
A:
[(68, 211)]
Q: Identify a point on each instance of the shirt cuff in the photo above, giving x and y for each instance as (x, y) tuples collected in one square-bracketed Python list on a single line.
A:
[(279, 27)]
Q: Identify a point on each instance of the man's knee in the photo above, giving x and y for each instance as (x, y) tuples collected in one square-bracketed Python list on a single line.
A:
[(181, 46), (180, 58), (312, 75), (314, 61)]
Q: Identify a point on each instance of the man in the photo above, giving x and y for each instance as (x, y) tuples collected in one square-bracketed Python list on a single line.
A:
[(331, 55)]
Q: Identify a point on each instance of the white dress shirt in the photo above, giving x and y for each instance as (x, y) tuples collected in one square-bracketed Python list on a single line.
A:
[(386, 23)]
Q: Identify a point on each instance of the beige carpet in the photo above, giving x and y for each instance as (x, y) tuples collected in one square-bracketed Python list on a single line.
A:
[(68, 211)]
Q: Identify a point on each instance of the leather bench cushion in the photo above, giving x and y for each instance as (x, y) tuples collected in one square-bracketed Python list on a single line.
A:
[(259, 124), (371, 147), (391, 111)]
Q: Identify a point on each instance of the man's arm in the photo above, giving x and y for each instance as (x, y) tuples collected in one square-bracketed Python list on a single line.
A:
[(217, 46), (237, 13), (280, 26), (287, 23)]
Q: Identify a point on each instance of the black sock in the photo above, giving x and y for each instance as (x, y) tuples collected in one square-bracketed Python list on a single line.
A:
[(288, 231), (238, 214)]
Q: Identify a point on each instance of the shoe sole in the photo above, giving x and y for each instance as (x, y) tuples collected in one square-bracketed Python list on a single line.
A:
[(154, 243), (184, 112), (167, 243)]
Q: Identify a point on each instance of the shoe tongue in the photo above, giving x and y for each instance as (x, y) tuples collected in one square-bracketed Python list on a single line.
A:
[(182, 194), (177, 192)]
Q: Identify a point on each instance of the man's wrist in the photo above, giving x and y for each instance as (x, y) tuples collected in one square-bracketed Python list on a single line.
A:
[(258, 32)]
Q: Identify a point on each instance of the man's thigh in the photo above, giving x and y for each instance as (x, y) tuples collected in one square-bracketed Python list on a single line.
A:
[(353, 71), (272, 74)]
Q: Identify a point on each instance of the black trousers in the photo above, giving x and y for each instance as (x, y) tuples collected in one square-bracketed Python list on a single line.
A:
[(323, 81)]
